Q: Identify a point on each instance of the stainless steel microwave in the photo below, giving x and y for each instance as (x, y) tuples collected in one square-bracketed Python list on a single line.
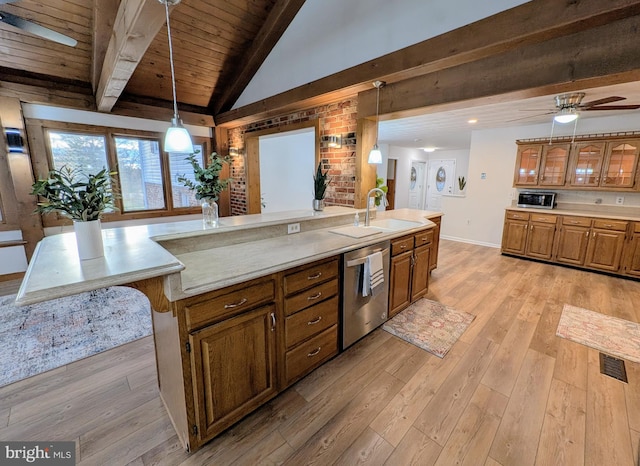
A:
[(537, 199)]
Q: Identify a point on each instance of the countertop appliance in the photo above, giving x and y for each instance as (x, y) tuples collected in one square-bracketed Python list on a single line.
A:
[(537, 199), (362, 314)]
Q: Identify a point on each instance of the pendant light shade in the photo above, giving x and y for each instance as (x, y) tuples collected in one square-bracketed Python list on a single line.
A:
[(375, 156), (177, 138), (566, 115)]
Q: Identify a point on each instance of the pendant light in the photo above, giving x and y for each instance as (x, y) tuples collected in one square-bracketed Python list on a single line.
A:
[(375, 156), (177, 138)]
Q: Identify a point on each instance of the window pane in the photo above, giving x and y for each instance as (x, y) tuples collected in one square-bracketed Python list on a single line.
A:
[(140, 173), (84, 152), (180, 166)]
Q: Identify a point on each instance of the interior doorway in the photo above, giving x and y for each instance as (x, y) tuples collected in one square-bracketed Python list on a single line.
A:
[(440, 179), (416, 185)]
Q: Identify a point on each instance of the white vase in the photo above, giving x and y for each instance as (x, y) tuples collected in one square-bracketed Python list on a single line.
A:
[(209, 213), (89, 239)]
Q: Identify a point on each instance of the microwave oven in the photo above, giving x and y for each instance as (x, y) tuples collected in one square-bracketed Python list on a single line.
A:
[(537, 199)]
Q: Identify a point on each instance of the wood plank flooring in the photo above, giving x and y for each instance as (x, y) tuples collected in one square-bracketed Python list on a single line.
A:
[(509, 393)]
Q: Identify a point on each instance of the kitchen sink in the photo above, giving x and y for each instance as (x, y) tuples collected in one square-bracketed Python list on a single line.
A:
[(394, 224), (356, 232), (376, 227)]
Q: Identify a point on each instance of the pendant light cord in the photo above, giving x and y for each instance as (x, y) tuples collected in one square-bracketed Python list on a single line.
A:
[(377, 109), (173, 79)]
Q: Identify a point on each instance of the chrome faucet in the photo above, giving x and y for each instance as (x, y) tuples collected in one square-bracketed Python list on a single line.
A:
[(367, 220)]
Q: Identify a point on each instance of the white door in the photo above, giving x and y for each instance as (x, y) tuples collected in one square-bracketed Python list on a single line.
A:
[(416, 185), (442, 174)]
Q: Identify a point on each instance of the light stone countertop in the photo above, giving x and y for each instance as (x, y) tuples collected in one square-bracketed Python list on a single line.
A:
[(137, 252), (631, 214)]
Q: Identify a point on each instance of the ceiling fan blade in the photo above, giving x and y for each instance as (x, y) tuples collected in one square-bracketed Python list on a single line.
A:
[(614, 107), (606, 100), (531, 116), (36, 29)]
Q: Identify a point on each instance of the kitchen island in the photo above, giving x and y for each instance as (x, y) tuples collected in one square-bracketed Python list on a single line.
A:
[(240, 312)]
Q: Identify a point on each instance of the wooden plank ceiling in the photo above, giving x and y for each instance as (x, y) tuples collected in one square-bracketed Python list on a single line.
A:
[(218, 45)]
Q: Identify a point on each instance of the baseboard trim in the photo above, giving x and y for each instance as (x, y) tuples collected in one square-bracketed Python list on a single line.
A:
[(11, 276), (470, 241)]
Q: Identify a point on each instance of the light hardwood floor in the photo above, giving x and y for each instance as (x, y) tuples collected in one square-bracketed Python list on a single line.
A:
[(509, 393)]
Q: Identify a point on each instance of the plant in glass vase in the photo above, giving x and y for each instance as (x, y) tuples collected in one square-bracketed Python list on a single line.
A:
[(81, 197), (207, 185)]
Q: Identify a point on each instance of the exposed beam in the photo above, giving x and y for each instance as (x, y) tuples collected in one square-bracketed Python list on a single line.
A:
[(104, 17), (161, 113), (533, 22), (137, 24), (597, 57), (277, 22)]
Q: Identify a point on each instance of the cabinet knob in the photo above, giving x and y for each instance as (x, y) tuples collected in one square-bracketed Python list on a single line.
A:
[(313, 277), (314, 352), (232, 305), (315, 321), (315, 296)]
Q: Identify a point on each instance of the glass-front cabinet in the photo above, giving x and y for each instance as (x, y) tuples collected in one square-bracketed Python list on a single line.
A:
[(620, 165), (588, 158), (527, 165), (553, 166)]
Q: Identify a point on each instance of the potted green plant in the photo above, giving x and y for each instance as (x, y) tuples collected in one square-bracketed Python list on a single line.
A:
[(461, 183), (320, 183), (81, 197), (207, 185)]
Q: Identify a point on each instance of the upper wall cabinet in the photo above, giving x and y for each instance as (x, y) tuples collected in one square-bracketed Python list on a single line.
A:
[(602, 164)]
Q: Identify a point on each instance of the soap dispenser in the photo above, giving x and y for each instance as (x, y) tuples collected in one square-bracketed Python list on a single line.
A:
[(356, 220)]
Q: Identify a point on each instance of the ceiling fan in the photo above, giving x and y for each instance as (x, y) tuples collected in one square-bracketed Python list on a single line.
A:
[(567, 106), (35, 29)]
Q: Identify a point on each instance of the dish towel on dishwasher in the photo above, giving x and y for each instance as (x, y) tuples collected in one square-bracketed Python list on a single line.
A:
[(373, 273)]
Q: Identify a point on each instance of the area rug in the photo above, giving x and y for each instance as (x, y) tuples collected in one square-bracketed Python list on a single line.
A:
[(40, 337), (611, 335), (429, 325)]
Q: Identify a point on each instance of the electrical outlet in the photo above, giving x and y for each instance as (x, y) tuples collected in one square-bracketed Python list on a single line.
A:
[(293, 228), (619, 200)]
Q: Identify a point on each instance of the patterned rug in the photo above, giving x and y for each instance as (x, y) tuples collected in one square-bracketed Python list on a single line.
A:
[(617, 337), (40, 337), (429, 325)]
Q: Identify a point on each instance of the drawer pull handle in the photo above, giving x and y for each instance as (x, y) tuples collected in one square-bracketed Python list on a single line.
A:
[(573, 222), (608, 225), (403, 246), (232, 305), (315, 296), (314, 352), (313, 277), (273, 322), (315, 321)]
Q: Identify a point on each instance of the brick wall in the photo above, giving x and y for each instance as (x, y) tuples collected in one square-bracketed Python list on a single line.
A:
[(337, 118)]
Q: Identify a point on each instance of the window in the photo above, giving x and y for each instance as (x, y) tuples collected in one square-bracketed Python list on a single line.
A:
[(146, 178)]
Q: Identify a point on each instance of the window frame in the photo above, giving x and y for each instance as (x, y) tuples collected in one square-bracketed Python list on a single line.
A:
[(42, 159)]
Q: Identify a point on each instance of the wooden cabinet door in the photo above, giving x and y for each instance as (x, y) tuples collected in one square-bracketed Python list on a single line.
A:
[(605, 249), (514, 236), (620, 165), (631, 255), (233, 369), (420, 272), (540, 240), (553, 166), (572, 244), (527, 165), (586, 168), (433, 256), (400, 282)]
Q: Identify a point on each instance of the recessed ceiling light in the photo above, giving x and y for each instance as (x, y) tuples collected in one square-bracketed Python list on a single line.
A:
[(472, 121), (429, 149)]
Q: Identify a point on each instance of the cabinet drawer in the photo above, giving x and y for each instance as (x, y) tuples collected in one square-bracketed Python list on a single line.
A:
[(313, 320), (577, 221), (401, 245), (311, 354), (230, 304), (512, 215), (423, 238), (609, 224), (310, 297), (543, 218), (310, 276), (637, 227)]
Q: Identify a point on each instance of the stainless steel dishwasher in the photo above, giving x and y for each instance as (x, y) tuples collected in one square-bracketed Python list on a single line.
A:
[(362, 314)]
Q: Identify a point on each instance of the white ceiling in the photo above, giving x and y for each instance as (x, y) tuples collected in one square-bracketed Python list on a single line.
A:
[(449, 130)]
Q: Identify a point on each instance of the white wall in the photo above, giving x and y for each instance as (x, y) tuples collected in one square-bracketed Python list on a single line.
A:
[(287, 166), (478, 217), (327, 36), (404, 157), (462, 163)]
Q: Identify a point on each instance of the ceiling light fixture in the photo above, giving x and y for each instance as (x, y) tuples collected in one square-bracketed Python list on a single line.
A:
[(429, 149), (472, 121), (375, 156), (177, 138), (566, 115)]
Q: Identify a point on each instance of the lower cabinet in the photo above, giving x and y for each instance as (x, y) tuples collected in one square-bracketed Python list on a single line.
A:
[(632, 252), (529, 234), (573, 239), (410, 267), (604, 251)]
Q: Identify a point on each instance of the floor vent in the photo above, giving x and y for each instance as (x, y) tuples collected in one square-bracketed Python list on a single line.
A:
[(613, 367)]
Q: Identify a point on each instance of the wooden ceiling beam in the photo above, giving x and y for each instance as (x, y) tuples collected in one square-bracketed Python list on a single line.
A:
[(104, 17), (136, 25), (277, 22), (597, 57), (532, 22)]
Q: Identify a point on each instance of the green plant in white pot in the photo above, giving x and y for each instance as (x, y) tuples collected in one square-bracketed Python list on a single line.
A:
[(81, 197)]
